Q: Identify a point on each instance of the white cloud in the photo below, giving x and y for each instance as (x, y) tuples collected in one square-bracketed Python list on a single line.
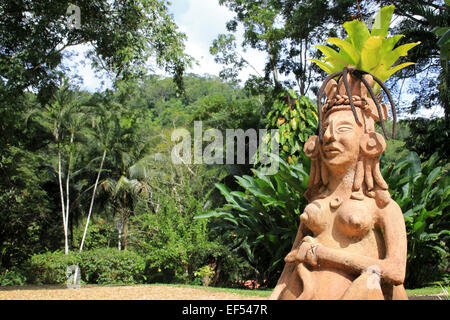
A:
[(434, 112), (202, 22)]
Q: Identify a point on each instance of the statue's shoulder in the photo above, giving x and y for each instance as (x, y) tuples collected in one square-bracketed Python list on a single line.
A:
[(392, 210)]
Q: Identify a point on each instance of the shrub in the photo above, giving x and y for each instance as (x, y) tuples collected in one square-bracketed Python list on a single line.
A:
[(100, 266), (12, 277), (422, 191), (111, 266), (224, 258), (264, 218), (50, 267), (100, 234), (205, 274)]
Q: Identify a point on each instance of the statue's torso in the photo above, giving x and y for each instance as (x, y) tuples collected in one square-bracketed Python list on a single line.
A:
[(348, 225)]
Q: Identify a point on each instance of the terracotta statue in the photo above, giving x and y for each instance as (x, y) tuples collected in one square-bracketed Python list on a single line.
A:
[(351, 242)]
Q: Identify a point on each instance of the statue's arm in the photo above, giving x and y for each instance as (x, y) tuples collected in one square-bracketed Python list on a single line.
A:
[(289, 267), (393, 224), (392, 267)]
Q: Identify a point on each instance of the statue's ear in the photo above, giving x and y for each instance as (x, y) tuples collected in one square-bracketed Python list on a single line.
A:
[(311, 147), (372, 144)]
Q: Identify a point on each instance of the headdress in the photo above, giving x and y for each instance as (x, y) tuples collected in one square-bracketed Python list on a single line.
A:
[(336, 97)]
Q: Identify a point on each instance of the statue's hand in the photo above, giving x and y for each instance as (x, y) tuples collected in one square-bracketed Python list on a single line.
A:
[(291, 257), (309, 239), (307, 251)]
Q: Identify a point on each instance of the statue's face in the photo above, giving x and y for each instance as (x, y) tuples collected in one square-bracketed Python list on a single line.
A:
[(341, 139)]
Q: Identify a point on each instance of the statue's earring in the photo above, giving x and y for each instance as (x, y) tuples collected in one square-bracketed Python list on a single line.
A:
[(317, 173), (311, 147), (372, 144)]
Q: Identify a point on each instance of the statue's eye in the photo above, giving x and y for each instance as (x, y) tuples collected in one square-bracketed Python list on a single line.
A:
[(343, 129)]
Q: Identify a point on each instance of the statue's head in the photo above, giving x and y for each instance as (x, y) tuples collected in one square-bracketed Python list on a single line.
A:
[(349, 141), (341, 139)]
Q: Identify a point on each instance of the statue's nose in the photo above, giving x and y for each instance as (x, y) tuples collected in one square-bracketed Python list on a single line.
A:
[(329, 134)]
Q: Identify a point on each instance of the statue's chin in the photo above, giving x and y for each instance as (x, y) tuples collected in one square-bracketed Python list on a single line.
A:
[(338, 160), (335, 158)]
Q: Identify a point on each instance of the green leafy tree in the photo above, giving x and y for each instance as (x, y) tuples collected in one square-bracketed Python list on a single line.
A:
[(296, 119), (101, 135), (122, 35), (27, 219), (260, 32), (418, 21), (283, 30), (124, 184)]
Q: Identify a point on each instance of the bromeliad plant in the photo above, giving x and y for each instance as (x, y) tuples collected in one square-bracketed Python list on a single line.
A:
[(370, 51)]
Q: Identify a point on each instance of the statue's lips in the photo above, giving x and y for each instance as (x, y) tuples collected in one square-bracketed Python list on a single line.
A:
[(332, 150)]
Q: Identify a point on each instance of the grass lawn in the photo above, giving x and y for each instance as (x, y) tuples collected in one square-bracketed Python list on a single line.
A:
[(245, 292), (428, 291), (435, 290)]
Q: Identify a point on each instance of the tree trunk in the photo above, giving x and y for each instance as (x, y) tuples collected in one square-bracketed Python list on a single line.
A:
[(61, 191), (71, 232), (119, 240), (125, 231), (67, 191), (275, 73), (92, 200), (125, 221)]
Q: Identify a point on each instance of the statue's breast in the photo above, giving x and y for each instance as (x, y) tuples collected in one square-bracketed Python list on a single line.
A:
[(316, 217), (354, 218)]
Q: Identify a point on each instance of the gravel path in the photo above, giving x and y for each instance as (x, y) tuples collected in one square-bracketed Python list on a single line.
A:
[(153, 292), (140, 292)]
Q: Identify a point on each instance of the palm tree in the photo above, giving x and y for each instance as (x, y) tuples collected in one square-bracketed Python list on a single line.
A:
[(63, 117), (100, 136), (125, 191)]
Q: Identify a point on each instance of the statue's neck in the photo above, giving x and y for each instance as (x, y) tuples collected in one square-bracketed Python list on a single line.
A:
[(340, 182)]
